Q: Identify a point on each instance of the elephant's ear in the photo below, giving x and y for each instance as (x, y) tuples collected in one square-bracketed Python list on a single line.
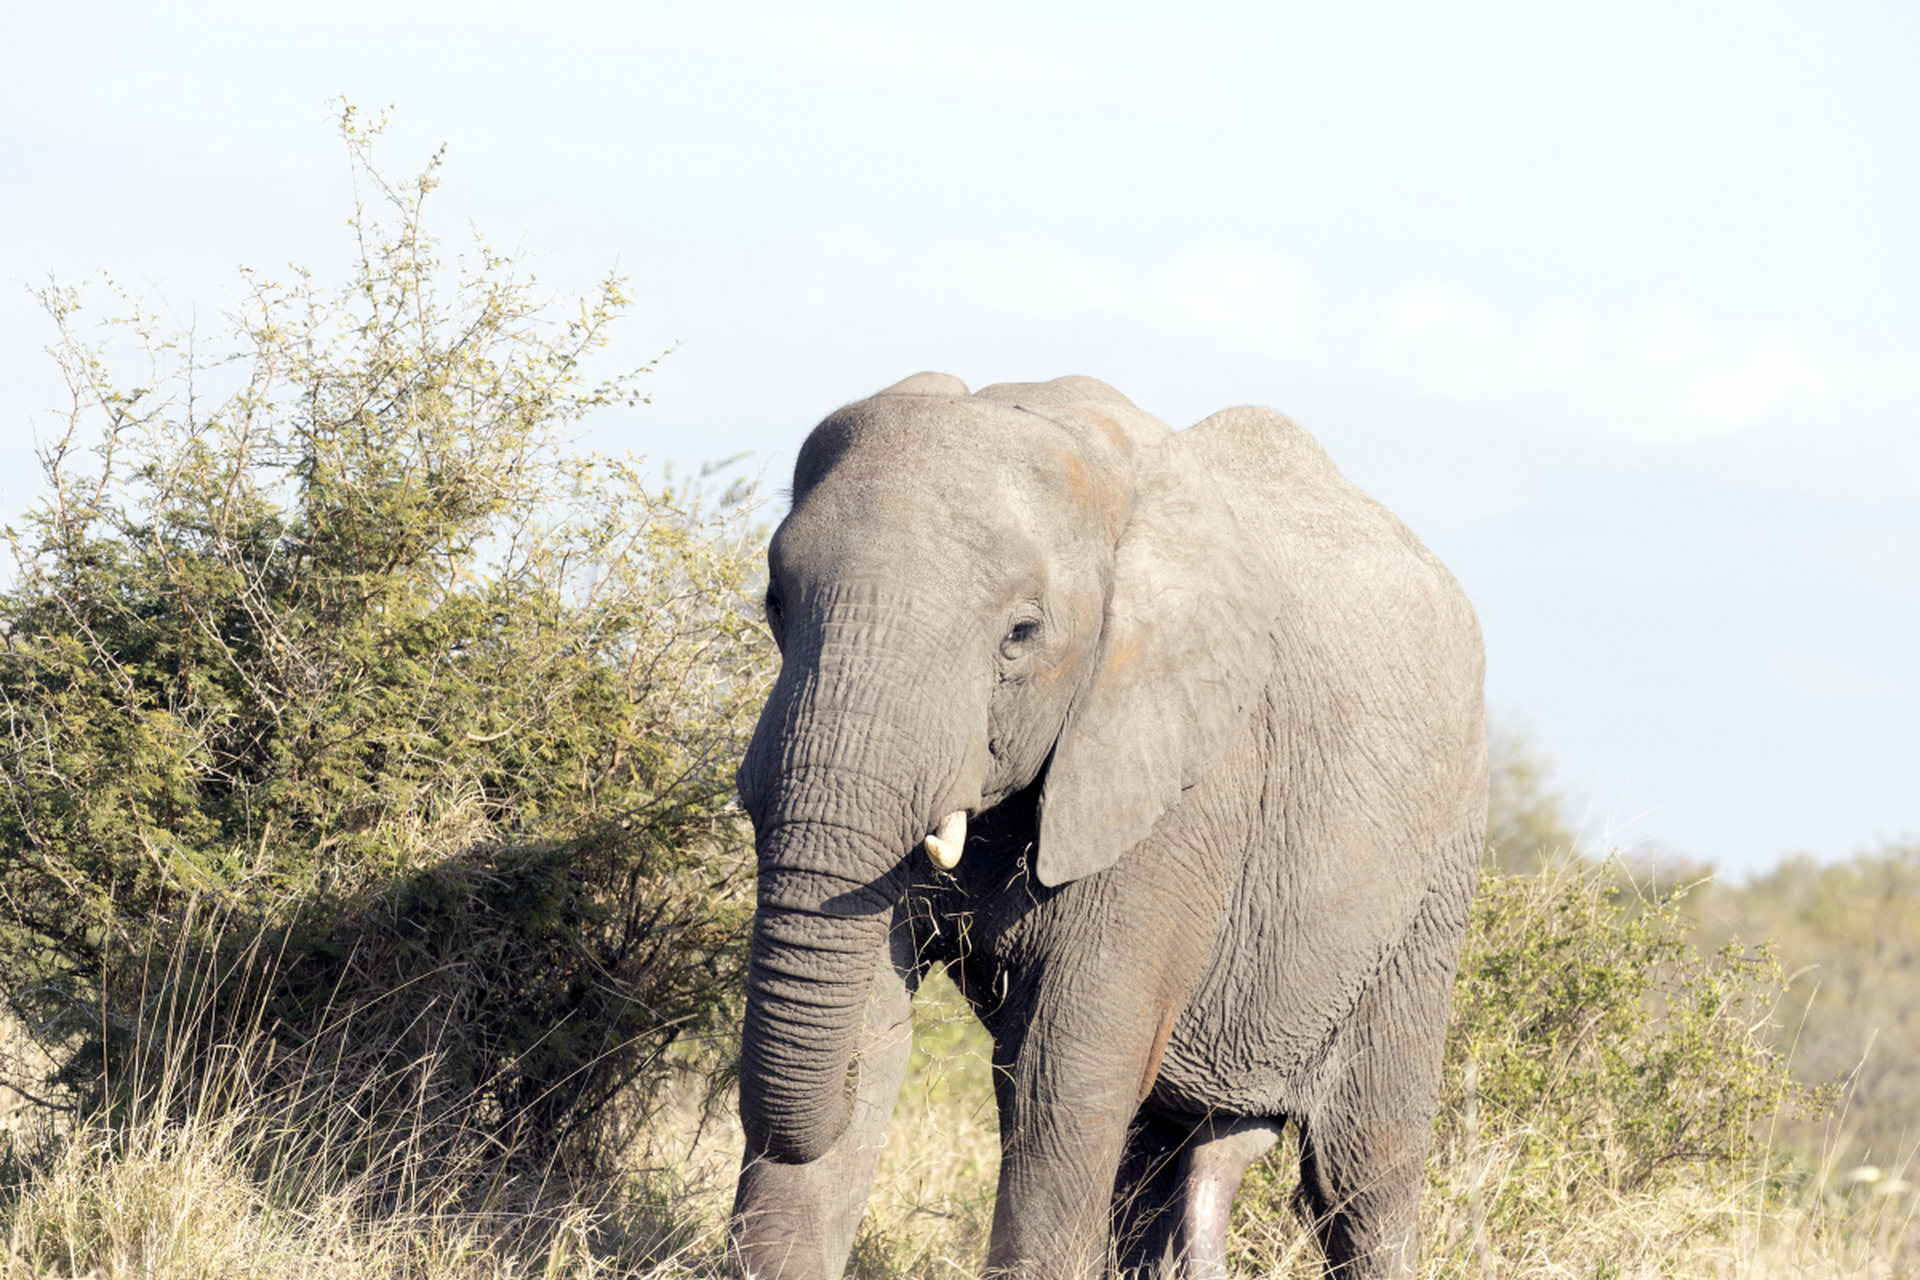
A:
[(1182, 658)]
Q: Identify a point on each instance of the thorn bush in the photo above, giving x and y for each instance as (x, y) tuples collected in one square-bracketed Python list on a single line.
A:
[(356, 725), (1595, 1053)]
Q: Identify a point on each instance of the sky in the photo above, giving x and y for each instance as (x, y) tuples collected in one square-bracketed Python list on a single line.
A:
[(1617, 306)]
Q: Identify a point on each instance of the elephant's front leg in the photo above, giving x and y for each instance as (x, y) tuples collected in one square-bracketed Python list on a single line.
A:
[(1069, 1079), (797, 1221)]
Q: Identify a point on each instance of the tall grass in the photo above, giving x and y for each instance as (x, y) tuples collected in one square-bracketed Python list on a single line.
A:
[(224, 1158), (234, 1174), (162, 1192)]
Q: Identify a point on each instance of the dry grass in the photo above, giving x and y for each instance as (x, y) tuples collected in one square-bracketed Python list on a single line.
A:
[(932, 1205), (207, 1194), (213, 1193)]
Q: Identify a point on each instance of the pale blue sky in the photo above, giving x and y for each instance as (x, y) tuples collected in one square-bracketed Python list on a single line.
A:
[(1617, 305)]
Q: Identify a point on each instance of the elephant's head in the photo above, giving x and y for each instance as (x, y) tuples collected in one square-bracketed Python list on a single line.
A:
[(969, 591)]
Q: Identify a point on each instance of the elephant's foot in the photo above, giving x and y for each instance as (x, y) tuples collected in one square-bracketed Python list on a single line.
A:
[(1211, 1168)]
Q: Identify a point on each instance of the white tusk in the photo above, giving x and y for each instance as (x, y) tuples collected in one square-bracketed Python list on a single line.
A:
[(945, 844)]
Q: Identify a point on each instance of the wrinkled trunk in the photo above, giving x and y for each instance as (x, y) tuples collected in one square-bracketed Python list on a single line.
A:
[(812, 973), (854, 751)]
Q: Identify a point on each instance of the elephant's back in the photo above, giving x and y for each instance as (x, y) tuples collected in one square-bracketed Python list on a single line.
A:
[(1375, 641), (1286, 491), (1346, 570), (1374, 755)]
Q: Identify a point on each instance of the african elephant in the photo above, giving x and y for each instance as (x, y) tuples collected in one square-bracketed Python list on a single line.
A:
[(1207, 724)]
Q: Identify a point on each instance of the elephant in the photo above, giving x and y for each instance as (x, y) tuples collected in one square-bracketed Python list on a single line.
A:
[(1170, 747)]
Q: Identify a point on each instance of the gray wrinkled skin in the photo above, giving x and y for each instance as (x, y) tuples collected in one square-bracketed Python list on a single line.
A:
[(1216, 716)]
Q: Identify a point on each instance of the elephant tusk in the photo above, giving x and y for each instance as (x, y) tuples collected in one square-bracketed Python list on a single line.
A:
[(945, 844)]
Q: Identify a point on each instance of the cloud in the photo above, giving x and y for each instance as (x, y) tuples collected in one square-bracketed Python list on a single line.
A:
[(1260, 297), (1027, 278), (1445, 341), (833, 46), (1743, 393), (1877, 555), (1827, 677), (1777, 408), (1659, 373)]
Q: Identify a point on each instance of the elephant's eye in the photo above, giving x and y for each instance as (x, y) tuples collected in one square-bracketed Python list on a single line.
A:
[(1019, 636), (773, 608)]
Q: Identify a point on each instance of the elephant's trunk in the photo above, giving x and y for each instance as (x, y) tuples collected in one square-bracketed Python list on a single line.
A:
[(807, 991), (867, 742)]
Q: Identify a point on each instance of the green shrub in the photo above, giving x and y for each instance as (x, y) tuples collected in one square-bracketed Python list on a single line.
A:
[(1595, 1054), (354, 724)]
